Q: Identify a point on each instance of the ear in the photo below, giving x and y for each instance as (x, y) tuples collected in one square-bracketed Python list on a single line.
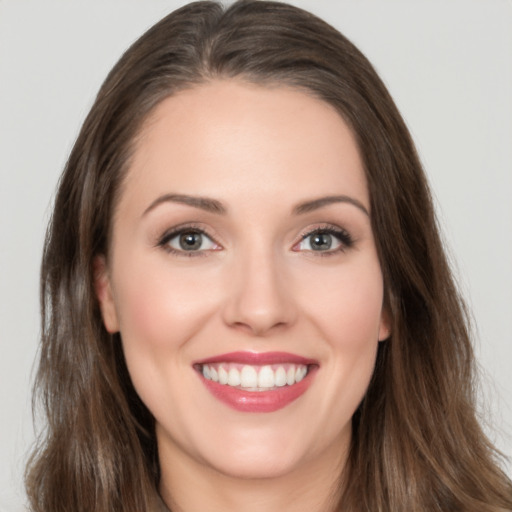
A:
[(103, 290), (385, 325)]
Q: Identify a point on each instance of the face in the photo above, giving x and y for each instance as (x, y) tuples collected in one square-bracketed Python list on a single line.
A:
[(244, 280)]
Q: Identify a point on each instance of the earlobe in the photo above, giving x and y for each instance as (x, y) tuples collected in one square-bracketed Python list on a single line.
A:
[(103, 290), (385, 326)]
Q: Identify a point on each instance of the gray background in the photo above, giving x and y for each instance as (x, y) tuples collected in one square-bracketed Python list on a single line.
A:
[(448, 64)]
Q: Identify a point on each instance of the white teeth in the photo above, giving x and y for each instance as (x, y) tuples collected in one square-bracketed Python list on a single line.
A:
[(266, 377), (280, 377), (234, 377), (223, 375), (300, 373), (248, 377), (255, 378), (290, 376)]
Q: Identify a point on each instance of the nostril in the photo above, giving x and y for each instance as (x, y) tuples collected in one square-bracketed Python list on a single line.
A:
[(259, 328), (257, 299)]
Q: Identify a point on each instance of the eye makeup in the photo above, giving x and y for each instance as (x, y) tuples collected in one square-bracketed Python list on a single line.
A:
[(324, 240), (188, 240), (194, 239)]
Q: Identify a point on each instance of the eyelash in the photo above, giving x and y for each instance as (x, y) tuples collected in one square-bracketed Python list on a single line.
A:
[(345, 239), (175, 232), (343, 236)]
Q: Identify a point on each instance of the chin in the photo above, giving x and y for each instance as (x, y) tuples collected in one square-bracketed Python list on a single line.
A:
[(261, 466), (269, 452)]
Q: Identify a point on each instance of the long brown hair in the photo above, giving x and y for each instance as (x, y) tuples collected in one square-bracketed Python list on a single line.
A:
[(417, 444)]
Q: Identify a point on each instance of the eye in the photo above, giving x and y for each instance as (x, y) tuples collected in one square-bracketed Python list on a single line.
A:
[(188, 240), (326, 240)]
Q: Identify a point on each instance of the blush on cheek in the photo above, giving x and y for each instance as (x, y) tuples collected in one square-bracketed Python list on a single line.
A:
[(164, 309), (352, 318)]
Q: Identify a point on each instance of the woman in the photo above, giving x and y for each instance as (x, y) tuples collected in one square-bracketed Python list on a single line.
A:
[(246, 304)]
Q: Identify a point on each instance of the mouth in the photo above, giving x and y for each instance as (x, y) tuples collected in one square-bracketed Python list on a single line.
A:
[(252, 377), (256, 382)]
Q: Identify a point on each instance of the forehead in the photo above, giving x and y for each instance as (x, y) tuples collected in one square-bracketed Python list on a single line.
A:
[(260, 142)]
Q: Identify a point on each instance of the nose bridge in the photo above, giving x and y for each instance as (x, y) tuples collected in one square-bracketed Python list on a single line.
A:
[(259, 296)]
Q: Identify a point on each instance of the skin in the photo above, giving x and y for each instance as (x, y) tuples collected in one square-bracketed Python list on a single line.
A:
[(256, 286)]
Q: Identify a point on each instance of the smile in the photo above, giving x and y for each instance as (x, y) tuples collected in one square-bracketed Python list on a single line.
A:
[(252, 382), (254, 378)]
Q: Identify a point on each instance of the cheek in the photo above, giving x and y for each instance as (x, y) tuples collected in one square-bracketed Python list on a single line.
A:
[(160, 311), (347, 313), (347, 307), (160, 308)]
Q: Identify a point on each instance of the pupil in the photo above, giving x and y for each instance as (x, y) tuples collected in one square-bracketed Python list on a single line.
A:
[(190, 241), (321, 241)]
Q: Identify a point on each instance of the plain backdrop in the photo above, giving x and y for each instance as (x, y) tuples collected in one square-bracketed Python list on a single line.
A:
[(447, 63)]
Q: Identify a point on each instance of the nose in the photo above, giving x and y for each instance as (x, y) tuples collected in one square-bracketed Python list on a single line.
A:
[(260, 299)]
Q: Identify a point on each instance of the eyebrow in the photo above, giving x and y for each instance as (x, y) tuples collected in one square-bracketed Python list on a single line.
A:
[(315, 204), (203, 203), (214, 206)]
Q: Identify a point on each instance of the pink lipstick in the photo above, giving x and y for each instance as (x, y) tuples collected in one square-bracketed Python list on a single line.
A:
[(257, 382)]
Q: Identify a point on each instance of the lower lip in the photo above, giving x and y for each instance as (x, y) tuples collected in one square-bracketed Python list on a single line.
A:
[(259, 401)]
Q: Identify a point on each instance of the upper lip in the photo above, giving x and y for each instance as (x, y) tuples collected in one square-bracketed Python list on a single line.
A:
[(257, 358)]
